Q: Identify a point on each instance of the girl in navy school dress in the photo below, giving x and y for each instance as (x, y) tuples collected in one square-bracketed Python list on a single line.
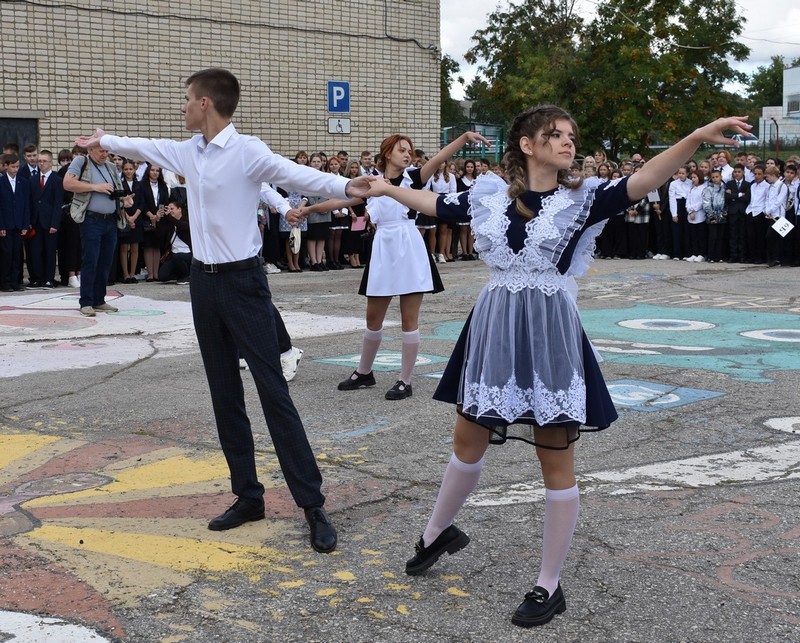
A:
[(523, 357), (399, 263)]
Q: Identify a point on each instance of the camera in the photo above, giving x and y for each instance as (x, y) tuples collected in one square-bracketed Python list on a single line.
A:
[(117, 194)]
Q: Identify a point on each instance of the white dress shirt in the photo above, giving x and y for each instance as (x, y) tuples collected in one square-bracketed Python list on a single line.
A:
[(273, 199), (677, 190), (223, 182), (758, 198), (775, 205)]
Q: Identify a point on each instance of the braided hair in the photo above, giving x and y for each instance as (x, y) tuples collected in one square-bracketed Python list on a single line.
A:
[(535, 121)]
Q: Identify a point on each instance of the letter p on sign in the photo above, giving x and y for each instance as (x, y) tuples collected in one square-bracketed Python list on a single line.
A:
[(338, 96)]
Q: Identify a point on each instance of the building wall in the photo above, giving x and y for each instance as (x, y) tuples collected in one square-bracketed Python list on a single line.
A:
[(122, 66)]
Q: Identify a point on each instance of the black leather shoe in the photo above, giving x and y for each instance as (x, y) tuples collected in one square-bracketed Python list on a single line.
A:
[(539, 607), (356, 381), (237, 514), (323, 533), (450, 540), (399, 391)]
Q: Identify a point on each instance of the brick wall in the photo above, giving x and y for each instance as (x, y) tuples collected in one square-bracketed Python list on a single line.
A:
[(122, 66)]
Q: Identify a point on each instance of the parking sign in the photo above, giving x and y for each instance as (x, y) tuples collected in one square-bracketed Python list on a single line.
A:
[(338, 96)]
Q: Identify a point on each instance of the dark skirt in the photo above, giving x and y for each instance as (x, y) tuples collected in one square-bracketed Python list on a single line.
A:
[(600, 411), (438, 286), (318, 231)]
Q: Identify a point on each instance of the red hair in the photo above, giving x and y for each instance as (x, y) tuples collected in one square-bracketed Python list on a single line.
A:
[(388, 145)]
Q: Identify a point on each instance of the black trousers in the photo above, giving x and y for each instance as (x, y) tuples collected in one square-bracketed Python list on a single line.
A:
[(233, 314), (736, 232)]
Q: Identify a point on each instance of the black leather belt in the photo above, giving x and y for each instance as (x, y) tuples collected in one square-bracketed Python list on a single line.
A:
[(244, 264), (101, 215)]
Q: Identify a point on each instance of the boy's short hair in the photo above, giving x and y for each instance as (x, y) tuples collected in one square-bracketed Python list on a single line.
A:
[(739, 166), (10, 158), (218, 84), (64, 155), (365, 153), (791, 166), (29, 148), (772, 171)]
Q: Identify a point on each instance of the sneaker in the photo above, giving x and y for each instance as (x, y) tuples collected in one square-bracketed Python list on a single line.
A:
[(271, 269), (106, 308), (185, 282), (450, 540), (692, 258), (699, 259), (243, 365), (290, 362), (440, 258), (74, 282), (88, 311), (356, 381), (399, 391), (539, 607)]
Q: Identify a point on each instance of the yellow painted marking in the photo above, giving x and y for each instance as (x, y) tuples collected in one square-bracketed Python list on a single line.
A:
[(169, 472), (360, 461), (376, 561), (211, 592), (326, 592), (456, 592), (16, 447), (181, 628), (174, 639), (396, 586), (285, 570), (276, 615), (388, 575), (378, 615), (450, 577), (349, 456), (364, 449), (416, 595), (38, 424), (310, 563), (364, 599), (322, 456), (291, 584), (335, 601), (254, 578), (173, 552), (344, 576), (403, 610), (371, 552), (270, 592)]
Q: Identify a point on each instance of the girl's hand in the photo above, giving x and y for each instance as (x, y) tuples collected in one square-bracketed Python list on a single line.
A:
[(474, 137), (713, 132), (377, 186)]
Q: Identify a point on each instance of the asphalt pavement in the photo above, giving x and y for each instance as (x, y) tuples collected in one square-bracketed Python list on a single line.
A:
[(110, 470)]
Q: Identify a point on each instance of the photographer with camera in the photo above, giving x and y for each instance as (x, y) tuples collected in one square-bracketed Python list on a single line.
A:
[(96, 206)]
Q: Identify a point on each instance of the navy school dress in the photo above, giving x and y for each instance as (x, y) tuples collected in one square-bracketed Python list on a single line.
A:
[(523, 358)]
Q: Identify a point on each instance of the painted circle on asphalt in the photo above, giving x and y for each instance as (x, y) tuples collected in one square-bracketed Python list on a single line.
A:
[(666, 324), (36, 321), (774, 334)]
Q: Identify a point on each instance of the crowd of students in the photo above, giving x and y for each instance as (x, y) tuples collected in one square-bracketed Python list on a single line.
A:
[(716, 209)]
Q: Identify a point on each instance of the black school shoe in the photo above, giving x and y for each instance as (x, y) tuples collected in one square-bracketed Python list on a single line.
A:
[(450, 540), (539, 607), (237, 514), (356, 381), (399, 391)]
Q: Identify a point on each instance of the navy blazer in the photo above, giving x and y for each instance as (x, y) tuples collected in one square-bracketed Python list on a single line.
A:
[(737, 204), (15, 205), (48, 202), (25, 171)]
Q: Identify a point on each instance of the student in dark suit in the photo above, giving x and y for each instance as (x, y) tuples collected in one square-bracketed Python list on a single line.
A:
[(15, 219), (48, 202), (737, 196)]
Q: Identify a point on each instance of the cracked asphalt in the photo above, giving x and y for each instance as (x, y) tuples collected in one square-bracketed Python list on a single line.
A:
[(110, 472)]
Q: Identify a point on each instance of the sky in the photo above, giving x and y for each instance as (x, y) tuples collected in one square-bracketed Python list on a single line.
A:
[(780, 23)]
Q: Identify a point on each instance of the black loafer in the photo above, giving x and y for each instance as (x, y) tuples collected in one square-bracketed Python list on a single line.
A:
[(356, 381), (323, 533), (399, 391), (237, 514), (450, 540), (539, 607)]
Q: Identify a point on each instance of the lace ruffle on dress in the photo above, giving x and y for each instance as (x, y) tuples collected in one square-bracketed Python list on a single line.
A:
[(523, 357)]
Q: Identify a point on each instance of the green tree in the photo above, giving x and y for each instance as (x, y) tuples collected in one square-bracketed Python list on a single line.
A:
[(451, 112), (655, 70), (765, 85), (526, 54)]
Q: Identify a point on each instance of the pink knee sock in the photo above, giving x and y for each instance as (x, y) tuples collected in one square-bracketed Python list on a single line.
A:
[(561, 508), (369, 349), (409, 355), (459, 480)]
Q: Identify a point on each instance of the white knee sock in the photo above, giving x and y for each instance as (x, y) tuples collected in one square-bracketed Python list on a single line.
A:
[(409, 355), (369, 349), (459, 480), (561, 508)]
